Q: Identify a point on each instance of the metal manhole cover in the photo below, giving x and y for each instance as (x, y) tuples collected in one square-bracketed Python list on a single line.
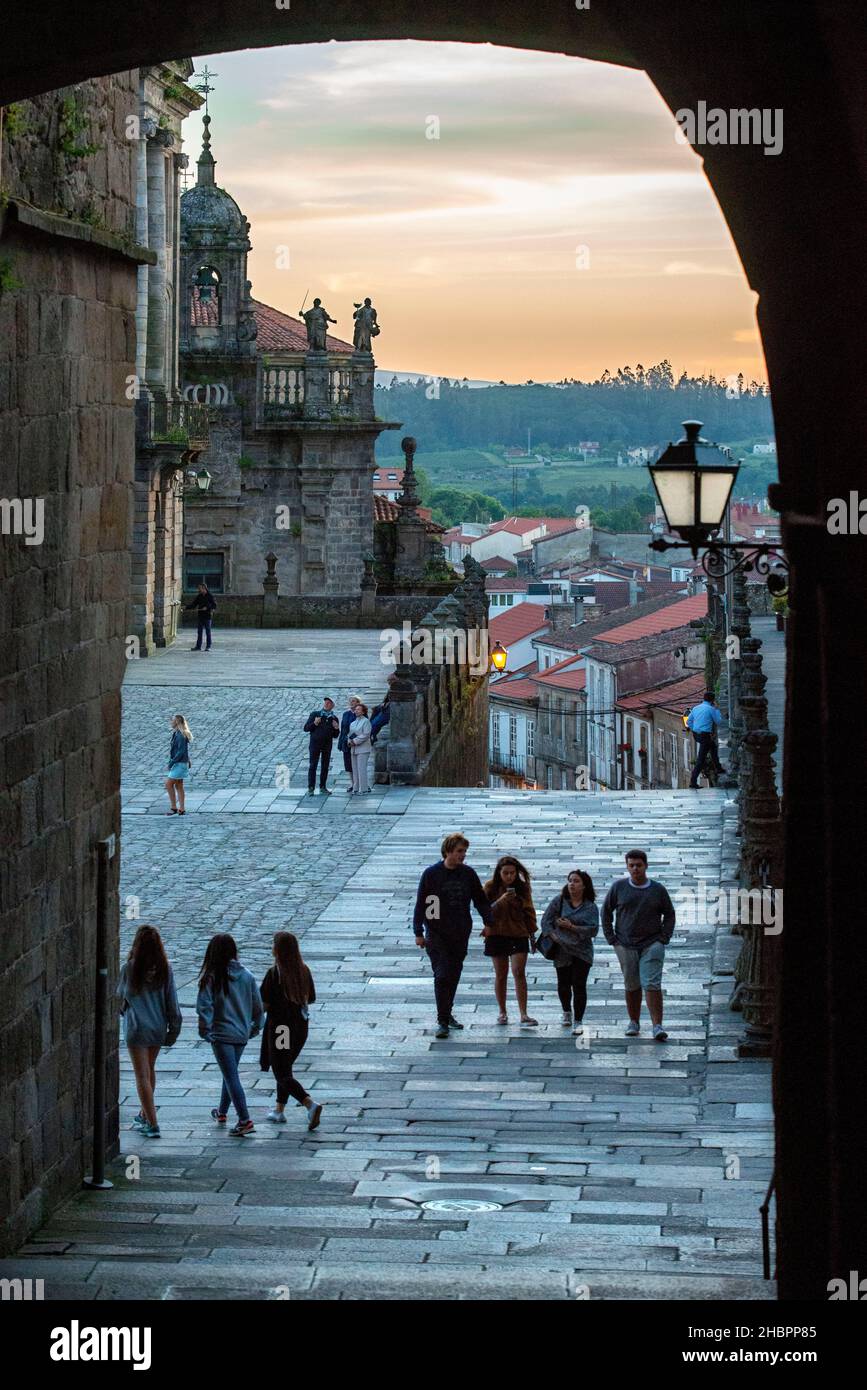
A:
[(461, 1204)]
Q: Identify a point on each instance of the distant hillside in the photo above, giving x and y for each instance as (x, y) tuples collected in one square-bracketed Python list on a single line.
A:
[(635, 406)]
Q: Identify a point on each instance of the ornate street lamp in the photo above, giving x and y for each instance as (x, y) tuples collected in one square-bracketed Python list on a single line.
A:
[(201, 481), (693, 480), (499, 657)]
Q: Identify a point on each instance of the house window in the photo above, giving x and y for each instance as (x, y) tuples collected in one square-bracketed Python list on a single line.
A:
[(204, 568), (564, 781), (531, 738), (549, 778), (495, 732), (673, 741), (513, 735)]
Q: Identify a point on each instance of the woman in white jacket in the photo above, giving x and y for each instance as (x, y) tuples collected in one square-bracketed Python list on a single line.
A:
[(359, 743)]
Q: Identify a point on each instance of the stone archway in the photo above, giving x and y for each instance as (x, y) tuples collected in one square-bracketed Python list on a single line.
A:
[(794, 218)]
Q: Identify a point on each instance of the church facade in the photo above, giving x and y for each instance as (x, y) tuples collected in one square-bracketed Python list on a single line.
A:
[(292, 430)]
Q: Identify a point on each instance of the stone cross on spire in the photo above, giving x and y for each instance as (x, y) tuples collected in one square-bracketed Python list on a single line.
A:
[(206, 160)]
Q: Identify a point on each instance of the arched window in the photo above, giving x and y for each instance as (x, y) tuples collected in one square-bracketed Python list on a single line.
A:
[(206, 298)]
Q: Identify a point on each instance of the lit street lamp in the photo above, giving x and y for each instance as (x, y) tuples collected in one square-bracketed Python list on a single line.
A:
[(693, 480), (499, 657)]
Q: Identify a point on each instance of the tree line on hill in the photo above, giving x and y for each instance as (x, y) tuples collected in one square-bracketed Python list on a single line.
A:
[(633, 406)]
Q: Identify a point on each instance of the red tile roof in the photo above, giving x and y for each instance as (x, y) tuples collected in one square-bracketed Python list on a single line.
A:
[(515, 525), (279, 331), (276, 331), (565, 675), (517, 622), (506, 586), (385, 510), (498, 562), (387, 479), (520, 688), (665, 619), (674, 693)]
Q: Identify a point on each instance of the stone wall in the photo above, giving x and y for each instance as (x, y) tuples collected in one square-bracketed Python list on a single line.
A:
[(388, 611), (67, 343)]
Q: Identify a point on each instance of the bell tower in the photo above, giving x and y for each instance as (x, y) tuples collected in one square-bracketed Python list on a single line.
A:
[(216, 311)]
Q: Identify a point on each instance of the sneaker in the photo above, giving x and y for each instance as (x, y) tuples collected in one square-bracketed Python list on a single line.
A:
[(215, 1115), (139, 1121), (349, 791), (314, 1114), (195, 649), (659, 1033), (367, 791), (578, 1029), (150, 1131), (453, 1023), (242, 1127), (632, 1029), (442, 1030), (566, 1020), (529, 1022), (311, 791), (324, 791), (276, 1117)]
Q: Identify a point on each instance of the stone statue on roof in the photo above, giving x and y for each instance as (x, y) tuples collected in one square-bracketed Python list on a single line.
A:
[(317, 320), (366, 326)]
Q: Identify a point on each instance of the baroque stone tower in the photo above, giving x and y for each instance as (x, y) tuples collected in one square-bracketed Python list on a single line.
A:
[(292, 434)]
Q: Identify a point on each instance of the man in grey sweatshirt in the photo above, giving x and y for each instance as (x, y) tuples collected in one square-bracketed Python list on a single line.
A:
[(638, 920)]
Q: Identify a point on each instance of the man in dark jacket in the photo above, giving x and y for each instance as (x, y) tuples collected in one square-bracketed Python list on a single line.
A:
[(442, 923), (204, 603), (638, 920), (323, 727)]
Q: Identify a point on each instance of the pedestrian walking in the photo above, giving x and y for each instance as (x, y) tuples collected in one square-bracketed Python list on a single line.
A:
[(359, 743), (287, 991), (569, 924), (151, 1018), (323, 726), (638, 920), (205, 605), (229, 1007), (442, 923), (179, 765), (703, 719), (343, 746), (512, 933)]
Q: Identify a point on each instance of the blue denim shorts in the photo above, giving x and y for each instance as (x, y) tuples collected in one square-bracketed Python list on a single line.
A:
[(641, 970)]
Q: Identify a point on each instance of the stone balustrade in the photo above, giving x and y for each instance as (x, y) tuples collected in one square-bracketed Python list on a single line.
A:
[(295, 386)]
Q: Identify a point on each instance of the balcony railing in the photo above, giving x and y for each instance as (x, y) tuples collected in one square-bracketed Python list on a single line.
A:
[(303, 386), (164, 421), (508, 762)]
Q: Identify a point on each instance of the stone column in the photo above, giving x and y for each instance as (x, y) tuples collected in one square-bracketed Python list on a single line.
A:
[(148, 129), (271, 587), (362, 385), (157, 301), (404, 723), (368, 589), (761, 865)]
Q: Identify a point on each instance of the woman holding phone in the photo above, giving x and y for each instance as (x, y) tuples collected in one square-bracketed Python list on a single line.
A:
[(512, 934)]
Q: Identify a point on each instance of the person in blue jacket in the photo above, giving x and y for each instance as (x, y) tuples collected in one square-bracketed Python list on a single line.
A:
[(179, 765), (230, 1013), (704, 719), (151, 1018)]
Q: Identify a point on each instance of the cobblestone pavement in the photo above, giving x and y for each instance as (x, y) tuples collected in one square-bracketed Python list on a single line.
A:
[(626, 1168), (246, 702)]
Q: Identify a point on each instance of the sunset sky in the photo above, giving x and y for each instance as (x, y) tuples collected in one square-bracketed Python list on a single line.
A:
[(555, 228)]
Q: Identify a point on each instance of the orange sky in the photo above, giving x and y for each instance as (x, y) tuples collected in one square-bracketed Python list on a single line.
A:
[(556, 227)]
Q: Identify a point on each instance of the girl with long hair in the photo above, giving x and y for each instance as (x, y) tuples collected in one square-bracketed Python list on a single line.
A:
[(571, 920), (511, 935), (230, 1014), (287, 990), (151, 1018), (179, 764)]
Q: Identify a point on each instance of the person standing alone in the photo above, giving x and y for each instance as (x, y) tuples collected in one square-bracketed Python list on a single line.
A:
[(205, 604), (179, 765), (442, 923), (323, 727), (704, 719), (638, 920)]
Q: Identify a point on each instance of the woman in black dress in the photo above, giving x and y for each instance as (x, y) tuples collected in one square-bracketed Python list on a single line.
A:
[(511, 936), (286, 991)]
